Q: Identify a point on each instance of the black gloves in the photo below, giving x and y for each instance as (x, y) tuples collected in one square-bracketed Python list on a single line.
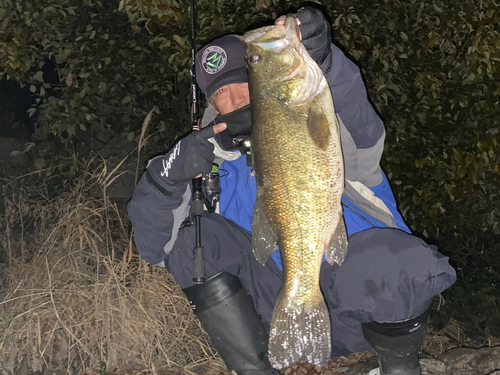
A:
[(191, 156), (316, 33)]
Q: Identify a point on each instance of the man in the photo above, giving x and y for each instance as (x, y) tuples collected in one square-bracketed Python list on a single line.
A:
[(379, 298)]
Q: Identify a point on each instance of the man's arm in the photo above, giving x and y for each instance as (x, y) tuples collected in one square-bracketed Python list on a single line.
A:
[(362, 130), (161, 200), (157, 216)]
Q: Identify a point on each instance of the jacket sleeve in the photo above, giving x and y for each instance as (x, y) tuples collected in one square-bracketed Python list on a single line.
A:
[(157, 211), (361, 129)]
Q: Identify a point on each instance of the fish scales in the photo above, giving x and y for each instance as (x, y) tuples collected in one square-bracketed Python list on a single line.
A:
[(297, 158)]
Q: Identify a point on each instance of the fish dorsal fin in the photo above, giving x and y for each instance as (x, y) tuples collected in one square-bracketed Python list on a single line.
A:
[(319, 128)]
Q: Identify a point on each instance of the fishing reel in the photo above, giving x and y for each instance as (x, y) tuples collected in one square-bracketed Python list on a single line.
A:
[(208, 189), (211, 188)]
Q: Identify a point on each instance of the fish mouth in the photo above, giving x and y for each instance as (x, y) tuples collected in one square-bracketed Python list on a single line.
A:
[(275, 39)]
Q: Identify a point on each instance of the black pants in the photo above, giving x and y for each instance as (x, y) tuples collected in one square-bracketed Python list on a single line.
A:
[(388, 275)]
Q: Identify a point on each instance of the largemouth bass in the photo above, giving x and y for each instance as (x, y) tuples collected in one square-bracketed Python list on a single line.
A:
[(297, 159)]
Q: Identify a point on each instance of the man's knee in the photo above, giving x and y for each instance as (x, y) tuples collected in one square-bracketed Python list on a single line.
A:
[(389, 275)]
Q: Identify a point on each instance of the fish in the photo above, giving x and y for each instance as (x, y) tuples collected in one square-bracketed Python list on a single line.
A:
[(297, 160)]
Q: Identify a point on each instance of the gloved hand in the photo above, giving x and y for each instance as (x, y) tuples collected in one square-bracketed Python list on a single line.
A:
[(316, 33), (191, 156)]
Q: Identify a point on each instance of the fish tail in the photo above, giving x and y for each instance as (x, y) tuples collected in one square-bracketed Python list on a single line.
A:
[(299, 329)]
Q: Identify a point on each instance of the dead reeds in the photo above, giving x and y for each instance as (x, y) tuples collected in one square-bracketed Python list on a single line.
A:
[(75, 296)]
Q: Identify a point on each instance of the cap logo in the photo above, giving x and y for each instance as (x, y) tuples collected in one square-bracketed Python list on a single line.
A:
[(214, 59)]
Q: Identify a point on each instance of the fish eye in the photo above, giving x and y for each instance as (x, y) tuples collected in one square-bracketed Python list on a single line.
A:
[(255, 58)]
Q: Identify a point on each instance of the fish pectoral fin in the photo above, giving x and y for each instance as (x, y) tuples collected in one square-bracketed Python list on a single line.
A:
[(337, 248), (319, 128), (264, 238), (298, 329)]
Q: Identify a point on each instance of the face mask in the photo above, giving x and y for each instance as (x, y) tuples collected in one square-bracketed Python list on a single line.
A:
[(239, 124)]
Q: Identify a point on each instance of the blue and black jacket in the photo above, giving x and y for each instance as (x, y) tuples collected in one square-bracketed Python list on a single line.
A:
[(158, 209)]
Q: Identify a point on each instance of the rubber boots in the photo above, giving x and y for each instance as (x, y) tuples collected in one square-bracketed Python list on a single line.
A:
[(398, 344), (228, 315)]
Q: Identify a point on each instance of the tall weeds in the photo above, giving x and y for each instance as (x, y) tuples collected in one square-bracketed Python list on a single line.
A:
[(75, 296)]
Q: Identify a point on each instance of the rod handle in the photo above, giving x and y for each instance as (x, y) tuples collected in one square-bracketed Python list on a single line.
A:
[(199, 266)]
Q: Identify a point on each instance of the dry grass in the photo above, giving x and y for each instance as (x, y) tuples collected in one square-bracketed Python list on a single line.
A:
[(76, 297)]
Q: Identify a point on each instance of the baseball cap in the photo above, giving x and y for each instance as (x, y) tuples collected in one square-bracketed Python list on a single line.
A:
[(221, 63)]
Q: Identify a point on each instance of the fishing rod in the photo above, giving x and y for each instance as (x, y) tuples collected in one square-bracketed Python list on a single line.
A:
[(197, 203), (206, 188)]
